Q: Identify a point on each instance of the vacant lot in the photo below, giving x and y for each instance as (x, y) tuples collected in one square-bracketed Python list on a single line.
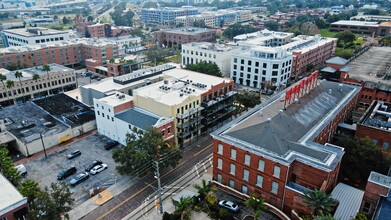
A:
[(45, 170)]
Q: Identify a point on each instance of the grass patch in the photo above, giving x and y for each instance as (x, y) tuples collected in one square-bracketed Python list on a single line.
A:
[(175, 59), (326, 33)]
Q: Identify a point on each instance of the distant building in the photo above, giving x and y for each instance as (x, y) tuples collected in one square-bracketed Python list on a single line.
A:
[(279, 150), (376, 124), (166, 16), (362, 27), (32, 35), (179, 36), (13, 206), (61, 79), (193, 53)]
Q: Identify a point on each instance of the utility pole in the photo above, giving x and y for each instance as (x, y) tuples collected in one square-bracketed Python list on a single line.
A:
[(159, 187), (43, 145)]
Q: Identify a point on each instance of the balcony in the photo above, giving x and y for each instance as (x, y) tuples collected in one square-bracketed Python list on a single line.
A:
[(188, 132), (190, 112), (190, 122), (218, 99)]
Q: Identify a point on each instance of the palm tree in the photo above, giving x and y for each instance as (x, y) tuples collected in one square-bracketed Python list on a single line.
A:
[(184, 207), (256, 203), (35, 77), (319, 202), (19, 75), (9, 85), (2, 78), (324, 217), (46, 68), (112, 60), (204, 189)]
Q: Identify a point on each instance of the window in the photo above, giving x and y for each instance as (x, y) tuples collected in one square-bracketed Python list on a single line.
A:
[(233, 154), (386, 145), (220, 149), (246, 173), (169, 130), (261, 165), (97, 111), (274, 187), (219, 178), (103, 114), (259, 180), (276, 171), (232, 168), (163, 133), (130, 127), (232, 183), (112, 119), (244, 189), (219, 163), (247, 159)]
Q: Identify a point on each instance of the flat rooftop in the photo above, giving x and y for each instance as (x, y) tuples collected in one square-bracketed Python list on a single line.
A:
[(380, 179), (263, 36), (188, 30), (139, 118), (34, 32), (378, 116), (210, 46), (9, 196), (287, 135), (29, 72), (116, 99), (356, 23), (179, 81), (372, 65), (66, 109), (27, 121)]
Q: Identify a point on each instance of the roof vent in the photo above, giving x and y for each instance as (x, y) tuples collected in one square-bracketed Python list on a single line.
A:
[(340, 87), (330, 92), (268, 119)]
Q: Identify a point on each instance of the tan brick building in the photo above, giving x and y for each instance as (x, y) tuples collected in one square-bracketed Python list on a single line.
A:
[(179, 36)]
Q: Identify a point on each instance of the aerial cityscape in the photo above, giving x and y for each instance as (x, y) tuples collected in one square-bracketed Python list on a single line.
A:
[(195, 109)]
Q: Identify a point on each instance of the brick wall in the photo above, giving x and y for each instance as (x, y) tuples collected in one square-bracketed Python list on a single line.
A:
[(372, 195), (373, 133)]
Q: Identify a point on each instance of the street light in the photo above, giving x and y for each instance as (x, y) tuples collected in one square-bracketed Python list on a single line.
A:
[(43, 145)]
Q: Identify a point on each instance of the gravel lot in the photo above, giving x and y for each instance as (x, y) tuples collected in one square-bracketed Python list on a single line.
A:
[(45, 170)]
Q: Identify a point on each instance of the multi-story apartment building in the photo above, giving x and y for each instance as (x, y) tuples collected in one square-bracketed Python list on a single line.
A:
[(215, 18), (32, 35), (193, 53), (69, 52), (116, 117), (26, 87), (277, 57), (107, 30), (179, 36), (280, 151), (196, 101), (187, 21), (166, 16)]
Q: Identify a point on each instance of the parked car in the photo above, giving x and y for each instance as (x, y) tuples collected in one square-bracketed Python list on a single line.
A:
[(74, 154), (111, 144), (67, 172), (229, 205), (79, 178), (98, 168), (94, 76), (21, 169), (86, 74), (92, 165), (98, 79)]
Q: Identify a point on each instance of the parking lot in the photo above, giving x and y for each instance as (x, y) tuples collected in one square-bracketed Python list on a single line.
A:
[(45, 170)]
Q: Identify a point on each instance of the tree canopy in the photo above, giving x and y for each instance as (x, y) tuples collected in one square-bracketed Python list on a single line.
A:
[(238, 29), (157, 54), (142, 149), (345, 36), (256, 203), (205, 67), (319, 202), (248, 99), (120, 17), (7, 166)]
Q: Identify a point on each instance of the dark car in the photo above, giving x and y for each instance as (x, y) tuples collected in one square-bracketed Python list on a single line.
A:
[(67, 172), (74, 154), (79, 178), (94, 77), (92, 165), (111, 144)]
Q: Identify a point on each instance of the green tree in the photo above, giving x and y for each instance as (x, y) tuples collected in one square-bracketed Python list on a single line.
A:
[(324, 217), (361, 157), (157, 54), (19, 75), (319, 202), (204, 189), (184, 207), (7, 166), (120, 17), (47, 69), (238, 29), (256, 203), (9, 84), (2, 79), (36, 77), (272, 25), (385, 41), (361, 216), (112, 60), (205, 67), (346, 36), (65, 20), (142, 149), (30, 189), (52, 203), (90, 18), (248, 99)]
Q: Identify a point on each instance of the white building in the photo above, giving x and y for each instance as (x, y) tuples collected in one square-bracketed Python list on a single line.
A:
[(188, 21), (253, 65), (33, 35), (116, 118), (193, 53)]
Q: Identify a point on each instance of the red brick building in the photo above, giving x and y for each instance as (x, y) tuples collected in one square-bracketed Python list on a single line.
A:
[(376, 124), (64, 53), (91, 30), (179, 36), (279, 153)]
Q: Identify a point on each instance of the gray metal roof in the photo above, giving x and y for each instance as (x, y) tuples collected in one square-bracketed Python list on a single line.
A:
[(349, 199), (139, 118), (337, 60), (328, 70), (287, 135), (345, 69)]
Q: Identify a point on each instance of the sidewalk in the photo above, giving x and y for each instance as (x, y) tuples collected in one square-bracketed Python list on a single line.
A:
[(148, 209)]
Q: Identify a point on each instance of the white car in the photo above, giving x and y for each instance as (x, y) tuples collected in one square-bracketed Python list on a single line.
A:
[(98, 168), (229, 205)]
